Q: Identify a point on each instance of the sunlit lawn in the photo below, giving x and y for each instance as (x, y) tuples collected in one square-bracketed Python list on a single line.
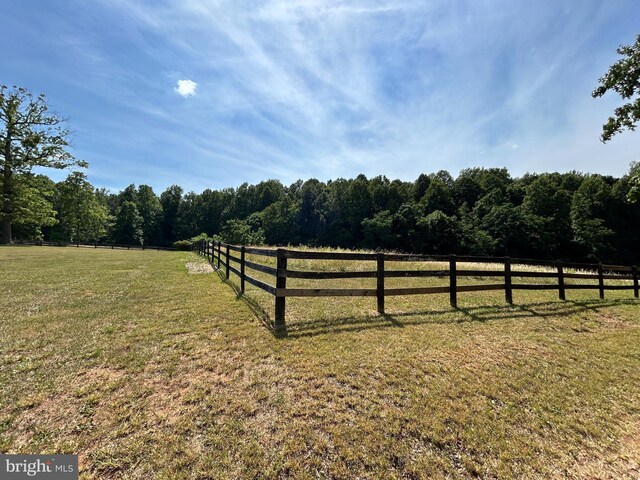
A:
[(148, 371)]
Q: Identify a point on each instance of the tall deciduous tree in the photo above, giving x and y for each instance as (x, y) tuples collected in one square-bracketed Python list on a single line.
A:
[(588, 209), (170, 200), (150, 210), (82, 216), (128, 225), (30, 136)]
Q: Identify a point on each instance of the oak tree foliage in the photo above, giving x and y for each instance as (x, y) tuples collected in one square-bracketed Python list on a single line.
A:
[(30, 136), (623, 78)]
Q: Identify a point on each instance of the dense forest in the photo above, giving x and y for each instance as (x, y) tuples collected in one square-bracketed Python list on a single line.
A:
[(482, 211)]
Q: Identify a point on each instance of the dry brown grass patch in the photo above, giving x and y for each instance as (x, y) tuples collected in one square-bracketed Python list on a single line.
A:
[(197, 268), (620, 464)]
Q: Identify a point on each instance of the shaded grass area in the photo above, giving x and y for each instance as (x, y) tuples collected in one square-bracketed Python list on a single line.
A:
[(149, 372)]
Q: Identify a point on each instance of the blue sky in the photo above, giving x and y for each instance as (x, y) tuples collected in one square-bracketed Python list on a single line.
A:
[(210, 94)]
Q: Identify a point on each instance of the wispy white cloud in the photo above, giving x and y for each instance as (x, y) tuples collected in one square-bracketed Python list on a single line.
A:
[(328, 88), (186, 88)]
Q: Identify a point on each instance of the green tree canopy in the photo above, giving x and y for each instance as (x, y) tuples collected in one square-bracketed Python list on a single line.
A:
[(150, 210), (241, 233), (588, 209), (437, 197), (30, 136), (34, 207), (634, 180), (128, 225), (82, 216), (171, 199), (623, 78), (378, 230)]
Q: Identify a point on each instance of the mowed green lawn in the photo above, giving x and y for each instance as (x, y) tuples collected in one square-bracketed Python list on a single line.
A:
[(148, 371)]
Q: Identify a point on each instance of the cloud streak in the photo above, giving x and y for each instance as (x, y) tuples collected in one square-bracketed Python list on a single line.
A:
[(328, 88)]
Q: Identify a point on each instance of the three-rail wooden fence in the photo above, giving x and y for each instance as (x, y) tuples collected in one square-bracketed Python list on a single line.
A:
[(220, 253)]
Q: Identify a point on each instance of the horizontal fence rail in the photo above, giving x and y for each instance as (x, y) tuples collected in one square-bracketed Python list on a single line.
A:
[(112, 246), (219, 253)]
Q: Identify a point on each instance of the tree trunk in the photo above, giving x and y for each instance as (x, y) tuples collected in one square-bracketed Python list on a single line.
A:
[(7, 189), (7, 194), (6, 232)]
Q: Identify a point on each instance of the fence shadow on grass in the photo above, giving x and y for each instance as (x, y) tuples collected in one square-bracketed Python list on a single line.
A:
[(539, 310), (323, 326), (543, 269), (258, 311)]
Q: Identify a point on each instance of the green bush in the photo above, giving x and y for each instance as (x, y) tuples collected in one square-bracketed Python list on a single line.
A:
[(239, 232), (183, 245)]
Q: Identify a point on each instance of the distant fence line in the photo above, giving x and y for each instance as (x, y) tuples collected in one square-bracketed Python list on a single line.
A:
[(218, 252), (112, 246)]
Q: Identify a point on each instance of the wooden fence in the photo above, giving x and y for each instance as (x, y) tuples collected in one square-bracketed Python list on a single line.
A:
[(112, 246), (220, 255)]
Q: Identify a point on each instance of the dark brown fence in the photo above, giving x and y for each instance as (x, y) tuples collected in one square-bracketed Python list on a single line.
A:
[(112, 246), (222, 255)]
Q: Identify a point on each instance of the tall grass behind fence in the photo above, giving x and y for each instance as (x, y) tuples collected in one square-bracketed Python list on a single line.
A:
[(383, 275)]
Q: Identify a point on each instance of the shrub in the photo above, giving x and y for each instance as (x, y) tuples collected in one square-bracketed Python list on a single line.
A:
[(183, 245)]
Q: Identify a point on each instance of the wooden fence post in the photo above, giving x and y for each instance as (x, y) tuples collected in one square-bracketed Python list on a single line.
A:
[(281, 283), (561, 291), (508, 292), (218, 255), (213, 254), (226, 273), (242, 255), (600, 281), (635, 281), (380, 283), (453, 298)]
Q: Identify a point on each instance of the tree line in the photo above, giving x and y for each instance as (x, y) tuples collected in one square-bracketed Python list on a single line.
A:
[(483, 211)]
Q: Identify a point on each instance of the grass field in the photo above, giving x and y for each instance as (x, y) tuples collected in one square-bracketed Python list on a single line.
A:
[(148, 371)]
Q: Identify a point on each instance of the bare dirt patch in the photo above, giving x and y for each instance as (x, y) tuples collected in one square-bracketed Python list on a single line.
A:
[(197, 268)]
